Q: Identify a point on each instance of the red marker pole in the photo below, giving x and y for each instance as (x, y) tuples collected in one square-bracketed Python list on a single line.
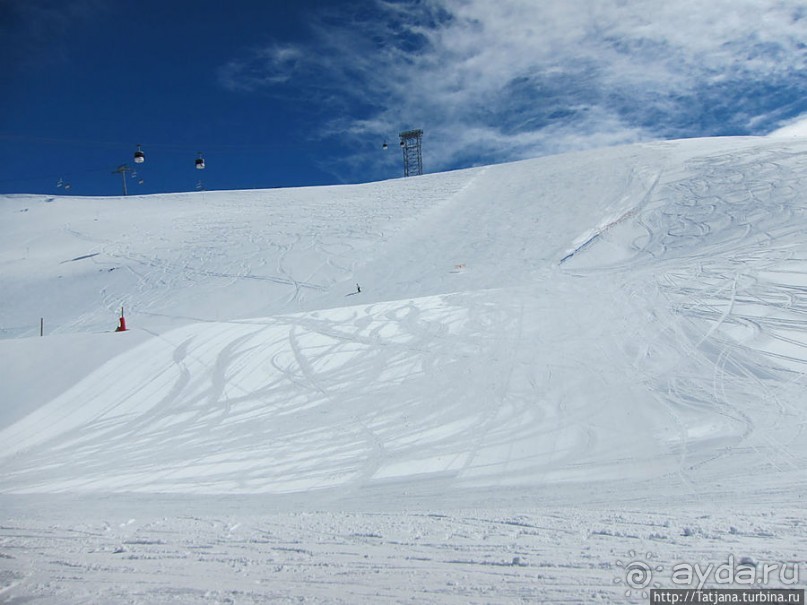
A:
[(122, 326)]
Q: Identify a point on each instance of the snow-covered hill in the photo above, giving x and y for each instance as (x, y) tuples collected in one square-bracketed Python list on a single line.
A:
[(552, 342)]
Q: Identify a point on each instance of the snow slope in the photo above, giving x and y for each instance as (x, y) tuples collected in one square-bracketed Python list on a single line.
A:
[(552, 364)]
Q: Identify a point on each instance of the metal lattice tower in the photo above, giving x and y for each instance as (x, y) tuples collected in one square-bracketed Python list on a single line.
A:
[(411, 142)]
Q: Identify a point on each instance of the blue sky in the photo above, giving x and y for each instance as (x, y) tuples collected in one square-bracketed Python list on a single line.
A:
[(278, 94)]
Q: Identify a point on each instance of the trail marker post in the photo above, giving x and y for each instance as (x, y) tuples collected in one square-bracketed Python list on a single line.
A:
[(122, 326)]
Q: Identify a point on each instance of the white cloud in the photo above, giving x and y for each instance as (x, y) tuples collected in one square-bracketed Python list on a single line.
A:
[(495, 81), (270, 66)]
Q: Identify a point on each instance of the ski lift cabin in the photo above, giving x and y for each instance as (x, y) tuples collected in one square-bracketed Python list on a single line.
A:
[(139, 156), (200, 162)]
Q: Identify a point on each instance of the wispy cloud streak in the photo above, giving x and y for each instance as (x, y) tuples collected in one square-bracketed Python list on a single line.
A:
[(505, 80)]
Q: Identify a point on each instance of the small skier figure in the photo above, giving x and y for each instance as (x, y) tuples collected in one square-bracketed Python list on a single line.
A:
[(358, 289)]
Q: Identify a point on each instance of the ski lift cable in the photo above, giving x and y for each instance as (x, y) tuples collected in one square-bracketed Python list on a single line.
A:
[(157, 145)]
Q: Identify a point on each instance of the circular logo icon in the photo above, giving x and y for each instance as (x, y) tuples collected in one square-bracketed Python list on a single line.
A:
[(637, 575)]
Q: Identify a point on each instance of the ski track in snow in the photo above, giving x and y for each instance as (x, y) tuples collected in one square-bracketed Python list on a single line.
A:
[(553, 367)]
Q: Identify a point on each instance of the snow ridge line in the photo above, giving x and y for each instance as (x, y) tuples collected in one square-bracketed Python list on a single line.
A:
[(599, 231)]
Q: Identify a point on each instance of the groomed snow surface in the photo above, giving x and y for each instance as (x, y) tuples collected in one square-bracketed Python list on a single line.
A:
[(554, 371)]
